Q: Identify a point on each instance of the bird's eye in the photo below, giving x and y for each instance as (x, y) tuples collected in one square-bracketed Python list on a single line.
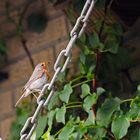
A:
[(42, 64)]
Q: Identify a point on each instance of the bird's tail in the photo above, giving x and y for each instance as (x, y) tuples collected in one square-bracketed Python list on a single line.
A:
[(23, 95)]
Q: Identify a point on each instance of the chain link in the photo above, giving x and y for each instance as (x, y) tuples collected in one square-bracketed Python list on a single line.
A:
[(75, 33)]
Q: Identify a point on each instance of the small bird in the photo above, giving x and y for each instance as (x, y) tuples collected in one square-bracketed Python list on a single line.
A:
[(37, 80)]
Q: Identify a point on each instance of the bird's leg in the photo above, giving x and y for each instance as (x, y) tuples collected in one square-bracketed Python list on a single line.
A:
[(36, 91), (34, 95)]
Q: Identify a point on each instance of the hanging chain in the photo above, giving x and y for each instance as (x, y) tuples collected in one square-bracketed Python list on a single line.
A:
[(76, 32)]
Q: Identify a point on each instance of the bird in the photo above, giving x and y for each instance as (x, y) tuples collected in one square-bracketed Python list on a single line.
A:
[(38, 79)]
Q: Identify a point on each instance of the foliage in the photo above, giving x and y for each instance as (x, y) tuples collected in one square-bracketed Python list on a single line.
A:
[(36, 22), (2, 47), (91, 104)]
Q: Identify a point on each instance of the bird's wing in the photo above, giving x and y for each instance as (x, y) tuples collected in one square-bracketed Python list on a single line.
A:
[(31, 80)]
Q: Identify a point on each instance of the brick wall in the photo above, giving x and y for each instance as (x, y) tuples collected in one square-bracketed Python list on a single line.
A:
[(43, 46)]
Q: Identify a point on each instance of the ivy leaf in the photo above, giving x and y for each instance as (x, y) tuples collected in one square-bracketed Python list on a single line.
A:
[(66, 132), (21, 116), (99, 133), (101, 46), (83, 38), (2, 46), (85, 90), (99, 91), (91, 119), (119, 127), (47, 136), (112, 45), (42, 123), (100, 4), (61, 76), (94, 40), (88, 102), (138, 88), (80, 130), (82, 68), (36, 22), (33, 137), (54, 100), (133, 113), (105, 112), (50, 117), (135, 135), (82, 58), (65, 93), (60, 114)]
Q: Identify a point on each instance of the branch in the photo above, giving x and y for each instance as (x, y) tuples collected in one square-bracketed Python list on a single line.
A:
[(27, 52), (97, 53)]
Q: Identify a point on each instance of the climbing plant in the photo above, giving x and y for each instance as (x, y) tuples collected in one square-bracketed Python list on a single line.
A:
[(94, 103)]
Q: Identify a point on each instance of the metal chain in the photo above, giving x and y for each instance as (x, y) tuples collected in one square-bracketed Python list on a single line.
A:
[(76, 32)]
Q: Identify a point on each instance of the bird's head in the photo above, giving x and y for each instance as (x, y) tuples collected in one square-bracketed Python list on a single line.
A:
[(43, 66)]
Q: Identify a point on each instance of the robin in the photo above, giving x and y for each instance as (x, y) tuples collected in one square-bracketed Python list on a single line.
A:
[(37, 80)]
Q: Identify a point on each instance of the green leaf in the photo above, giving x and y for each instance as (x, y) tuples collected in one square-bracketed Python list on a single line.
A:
[(50, 116), (15, 131), (91, 119), (42, 123), (36, 22), (65, 93), (101, 46), (123, 58), (138, 88), (87, 51), (134, 112), (119, 127), (54, 100), (117, 29), (82, 58), (47, 136), (66, 132), (112, 45), (135, 135), (99, 91), (82, 68), (100, 4), (61, 76), (80, 130), (85, 90), (33, 137), (21, 116), (98, 133), (104, 113), (94, 40), (83, 38), (2, 46), (60, 114), (88, 102), (78, 5)]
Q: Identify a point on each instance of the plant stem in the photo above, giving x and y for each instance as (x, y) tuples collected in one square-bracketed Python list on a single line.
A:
[(127, 100), (74, 106), (81, 83), (58, 132), (27, 52), (137, 119), (77, 78), (71, 103)]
